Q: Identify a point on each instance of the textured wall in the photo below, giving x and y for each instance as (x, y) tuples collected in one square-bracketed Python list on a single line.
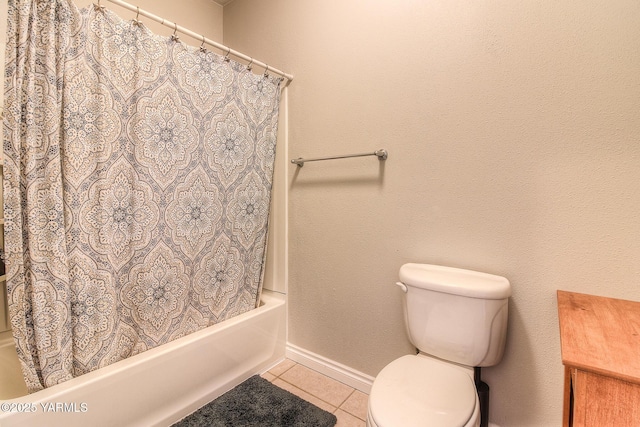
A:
[(513, 132)]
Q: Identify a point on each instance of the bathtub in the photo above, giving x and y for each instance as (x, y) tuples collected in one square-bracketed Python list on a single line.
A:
[(161, 385)]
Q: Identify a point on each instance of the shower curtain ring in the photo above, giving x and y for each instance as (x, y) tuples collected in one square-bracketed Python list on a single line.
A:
[(226, 57), (136, 21), (266, 72), (98, 6), (202, 48), (249, 68), (174, 36)]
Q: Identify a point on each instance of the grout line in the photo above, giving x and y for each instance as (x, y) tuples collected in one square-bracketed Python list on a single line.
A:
[(335, 408), (309, 393), (346, 410), (353, 390), (347, 398), (284, 372)]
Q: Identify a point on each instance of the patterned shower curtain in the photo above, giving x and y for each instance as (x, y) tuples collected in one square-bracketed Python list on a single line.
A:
[(137, 186)]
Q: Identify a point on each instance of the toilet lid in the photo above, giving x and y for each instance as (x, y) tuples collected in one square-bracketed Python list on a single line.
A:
[(420, 391)]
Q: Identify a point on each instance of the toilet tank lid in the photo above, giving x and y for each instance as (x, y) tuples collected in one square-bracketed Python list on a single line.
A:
[(455, 281)]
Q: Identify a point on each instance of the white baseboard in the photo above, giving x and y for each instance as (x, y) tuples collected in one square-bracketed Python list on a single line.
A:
[(330, 368)]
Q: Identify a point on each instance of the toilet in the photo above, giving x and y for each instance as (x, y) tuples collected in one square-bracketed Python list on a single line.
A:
[(457, 319)]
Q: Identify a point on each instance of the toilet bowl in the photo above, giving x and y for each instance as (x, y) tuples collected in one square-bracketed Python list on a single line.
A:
[(457, 319), (417, 391)]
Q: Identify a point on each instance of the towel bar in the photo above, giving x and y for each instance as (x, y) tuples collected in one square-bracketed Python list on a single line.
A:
[(381, 153)]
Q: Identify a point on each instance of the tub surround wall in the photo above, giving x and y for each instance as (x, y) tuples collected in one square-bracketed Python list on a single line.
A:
[(512, 130)]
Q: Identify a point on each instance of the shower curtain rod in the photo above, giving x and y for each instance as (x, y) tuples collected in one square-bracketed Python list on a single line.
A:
[(176, 27)]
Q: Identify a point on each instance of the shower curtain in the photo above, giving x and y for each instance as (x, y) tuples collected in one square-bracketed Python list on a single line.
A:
[(137, 187)]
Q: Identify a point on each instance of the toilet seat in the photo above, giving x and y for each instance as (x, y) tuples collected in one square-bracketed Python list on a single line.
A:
[(422, 391)]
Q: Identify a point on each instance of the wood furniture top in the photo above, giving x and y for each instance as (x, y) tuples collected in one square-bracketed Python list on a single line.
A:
[(600, 335)]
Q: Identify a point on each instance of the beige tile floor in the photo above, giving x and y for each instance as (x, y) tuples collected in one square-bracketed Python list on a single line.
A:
[(348, 404)]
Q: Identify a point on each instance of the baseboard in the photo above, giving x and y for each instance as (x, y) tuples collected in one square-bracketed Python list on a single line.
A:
[(330, 368)]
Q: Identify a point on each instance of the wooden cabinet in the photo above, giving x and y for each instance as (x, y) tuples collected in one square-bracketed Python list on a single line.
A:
[(600, 340)]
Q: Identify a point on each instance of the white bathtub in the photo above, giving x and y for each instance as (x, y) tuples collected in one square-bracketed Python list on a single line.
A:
[(164, 384)]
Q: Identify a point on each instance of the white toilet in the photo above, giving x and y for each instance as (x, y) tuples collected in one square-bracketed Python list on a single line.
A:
[(458, 320)]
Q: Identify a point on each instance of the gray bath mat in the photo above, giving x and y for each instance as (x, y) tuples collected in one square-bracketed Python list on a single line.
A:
[(257, 402)]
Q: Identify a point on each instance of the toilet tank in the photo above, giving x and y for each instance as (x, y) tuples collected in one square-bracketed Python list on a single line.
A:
[(454, 314)]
